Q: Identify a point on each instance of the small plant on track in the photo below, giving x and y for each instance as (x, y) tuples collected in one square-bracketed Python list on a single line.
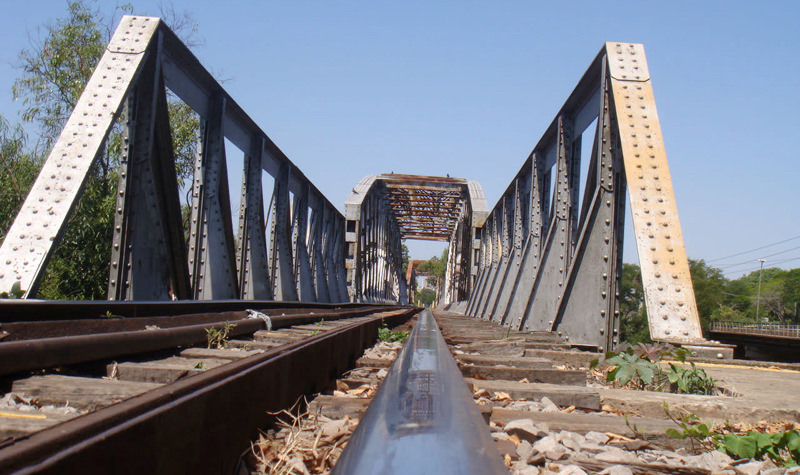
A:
[(218, 337), (387, 335)]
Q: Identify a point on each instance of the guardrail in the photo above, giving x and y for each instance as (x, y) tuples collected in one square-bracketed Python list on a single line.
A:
[(761, 329)]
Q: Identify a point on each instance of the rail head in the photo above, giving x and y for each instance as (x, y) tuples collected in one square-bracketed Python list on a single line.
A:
[(423, 418)]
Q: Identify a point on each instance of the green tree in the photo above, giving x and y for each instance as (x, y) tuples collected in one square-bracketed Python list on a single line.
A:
[(709, 290), (435, 266), (425, 297), (634, 327), (18, 169), (791, 294), (55, 71), (54, 74), (404, 257)]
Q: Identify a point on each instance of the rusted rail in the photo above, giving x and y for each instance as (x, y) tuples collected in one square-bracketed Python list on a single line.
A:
[(198, 424)]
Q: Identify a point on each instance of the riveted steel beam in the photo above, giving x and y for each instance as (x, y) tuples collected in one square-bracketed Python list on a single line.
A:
[(385, 209), (148, 255), (149, 259), (569, 252)]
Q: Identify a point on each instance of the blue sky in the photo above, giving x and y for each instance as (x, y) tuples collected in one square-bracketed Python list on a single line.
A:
[(348, 89)]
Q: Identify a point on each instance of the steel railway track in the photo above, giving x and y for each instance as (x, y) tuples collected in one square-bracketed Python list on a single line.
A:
[(151, 402)]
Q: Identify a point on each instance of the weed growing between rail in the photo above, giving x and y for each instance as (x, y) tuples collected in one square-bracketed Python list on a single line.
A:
[(389, 336), (218, 337), (319, 327)]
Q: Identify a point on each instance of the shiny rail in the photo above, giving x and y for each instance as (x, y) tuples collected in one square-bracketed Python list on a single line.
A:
[(423, 419)]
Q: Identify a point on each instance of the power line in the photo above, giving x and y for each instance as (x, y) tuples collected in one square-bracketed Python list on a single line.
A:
[(768, 255), (750, 269), (756, 249)]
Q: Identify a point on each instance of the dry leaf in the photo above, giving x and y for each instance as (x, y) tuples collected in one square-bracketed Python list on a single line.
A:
[(524, 380), (359, 390), (614, 436), (515, 439), (481, 393), (501, 396)]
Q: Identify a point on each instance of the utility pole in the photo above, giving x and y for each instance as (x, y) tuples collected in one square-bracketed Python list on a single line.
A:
[(758, 299)]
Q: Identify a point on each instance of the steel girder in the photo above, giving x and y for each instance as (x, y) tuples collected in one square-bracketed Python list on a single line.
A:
[(385, 209), (303, 257), (550, 262)]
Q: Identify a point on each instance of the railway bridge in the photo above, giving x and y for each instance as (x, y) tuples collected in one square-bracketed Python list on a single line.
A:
[(310, 284), (541, 258)]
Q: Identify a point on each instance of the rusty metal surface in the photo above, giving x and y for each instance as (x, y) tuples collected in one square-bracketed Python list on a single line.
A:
[(568, 276), (200, 424), (671, 307), (12, 310), (28, 330), (41, 353)]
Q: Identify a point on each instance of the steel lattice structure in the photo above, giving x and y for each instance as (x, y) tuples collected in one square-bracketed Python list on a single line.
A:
[(303, 257), (384, 209), (547, 256), (550, 262)]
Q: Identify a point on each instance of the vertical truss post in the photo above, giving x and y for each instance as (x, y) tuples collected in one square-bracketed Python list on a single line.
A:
[(317, 256), (531, 253), (303, 273), (496, 236), (281, 265), (213, 262), (479, 291), (589, 310), (505, 255), (148, 255), (514, 217), (252, 262), (335, 258), (337, 271), (548, 286)]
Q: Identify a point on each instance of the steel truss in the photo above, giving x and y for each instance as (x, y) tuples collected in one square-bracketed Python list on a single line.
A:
[(383, 210), (550, 262), (303, 258)]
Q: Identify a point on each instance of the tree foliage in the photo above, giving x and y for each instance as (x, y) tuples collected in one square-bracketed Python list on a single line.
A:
[(55, 71), (18, 169), (435, 266), (404, 257), (718, 298), (425, 297)]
